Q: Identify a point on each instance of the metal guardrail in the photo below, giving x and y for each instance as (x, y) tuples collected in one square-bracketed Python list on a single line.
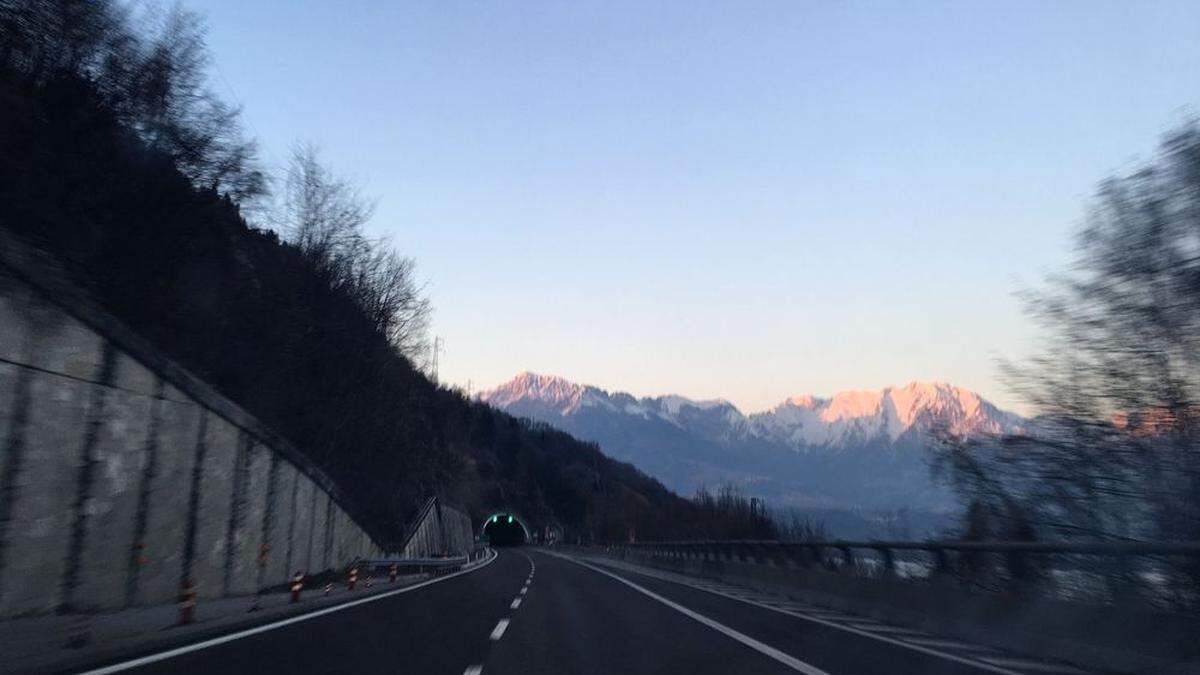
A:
[(1016, 557), (421, 565)]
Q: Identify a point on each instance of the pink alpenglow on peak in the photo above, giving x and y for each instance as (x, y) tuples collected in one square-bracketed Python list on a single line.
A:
[(887, 412), (548, 389), (847, 417)]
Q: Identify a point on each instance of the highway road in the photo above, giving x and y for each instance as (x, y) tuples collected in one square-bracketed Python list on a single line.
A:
[(537, 611)]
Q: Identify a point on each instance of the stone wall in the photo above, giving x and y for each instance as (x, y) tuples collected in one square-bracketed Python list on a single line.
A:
[(122, 476)]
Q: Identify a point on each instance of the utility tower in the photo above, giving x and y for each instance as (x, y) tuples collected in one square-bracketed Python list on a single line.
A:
[(437, 347)]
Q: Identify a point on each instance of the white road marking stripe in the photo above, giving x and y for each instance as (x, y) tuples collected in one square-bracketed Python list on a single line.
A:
[(524, 590), (880, 628), (515, 604), (762, 648), (186, 649), (948, 644), (473, 670), (874, 636), (1032, 665), (498, 631)]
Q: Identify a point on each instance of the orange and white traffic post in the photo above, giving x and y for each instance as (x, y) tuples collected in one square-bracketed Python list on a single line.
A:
[(187, 603), (297, 586), (393, 572), (352, 578)]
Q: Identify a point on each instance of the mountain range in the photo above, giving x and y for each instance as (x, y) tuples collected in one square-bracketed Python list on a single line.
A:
[(852, 456)]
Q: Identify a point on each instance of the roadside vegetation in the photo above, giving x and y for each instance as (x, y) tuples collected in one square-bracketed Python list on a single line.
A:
[(1113, 450)]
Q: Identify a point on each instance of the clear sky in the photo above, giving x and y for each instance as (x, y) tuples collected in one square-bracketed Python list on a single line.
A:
[(740, 199)]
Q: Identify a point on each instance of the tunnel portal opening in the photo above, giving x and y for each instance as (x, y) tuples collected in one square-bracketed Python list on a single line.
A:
[(504, 529)]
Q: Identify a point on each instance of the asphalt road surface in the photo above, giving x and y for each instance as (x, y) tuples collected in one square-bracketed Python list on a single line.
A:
[(535, 611)]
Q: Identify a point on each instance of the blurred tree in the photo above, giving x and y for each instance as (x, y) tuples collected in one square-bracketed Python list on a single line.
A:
[(1112, 452)]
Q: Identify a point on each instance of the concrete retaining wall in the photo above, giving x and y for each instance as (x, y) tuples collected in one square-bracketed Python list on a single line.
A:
[(440, 530), (122, 476)]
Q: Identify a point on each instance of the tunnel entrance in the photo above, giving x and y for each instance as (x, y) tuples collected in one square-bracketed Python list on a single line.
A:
[(504, 529)]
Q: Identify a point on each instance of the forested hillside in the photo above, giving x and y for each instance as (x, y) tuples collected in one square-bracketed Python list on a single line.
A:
[(115, 158)]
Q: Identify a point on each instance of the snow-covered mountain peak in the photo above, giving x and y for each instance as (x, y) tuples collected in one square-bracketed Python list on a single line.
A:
[(856, 416), (673, 403), (549, 390), (847, 418), (803, 401)]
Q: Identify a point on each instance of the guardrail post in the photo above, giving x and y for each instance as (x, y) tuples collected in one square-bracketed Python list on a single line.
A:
[(889, 561), (1122, 579), (807, 555), (777, 553), (758, 552), (847, 557), (1020, 573), (941, 562)]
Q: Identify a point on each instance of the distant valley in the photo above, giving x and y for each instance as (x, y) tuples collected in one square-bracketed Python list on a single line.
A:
[(857, 461)]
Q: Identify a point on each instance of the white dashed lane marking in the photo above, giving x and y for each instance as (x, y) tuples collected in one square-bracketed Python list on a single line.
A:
[(515, 604), (473, 670), (498, 631)]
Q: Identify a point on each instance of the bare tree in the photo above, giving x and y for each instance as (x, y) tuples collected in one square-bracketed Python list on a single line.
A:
[(152, 72), (324, 216), (1112, 452)]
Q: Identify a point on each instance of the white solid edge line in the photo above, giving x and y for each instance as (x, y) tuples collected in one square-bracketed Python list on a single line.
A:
[(213, 642), (823, 622), (762, 648), (498, 631)]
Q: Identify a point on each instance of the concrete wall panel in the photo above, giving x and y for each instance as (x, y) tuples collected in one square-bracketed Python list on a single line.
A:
[(42, 466), (161, 572), (213, 513), (125, 440), (302, 536), (247, 537), (317, 540), (119, 480), (277, 564)]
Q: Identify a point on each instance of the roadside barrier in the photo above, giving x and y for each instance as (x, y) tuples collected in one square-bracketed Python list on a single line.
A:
[(297, 586), (187, 603)]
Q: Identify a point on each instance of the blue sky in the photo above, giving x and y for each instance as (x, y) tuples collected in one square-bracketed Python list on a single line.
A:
[(741, 199)]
